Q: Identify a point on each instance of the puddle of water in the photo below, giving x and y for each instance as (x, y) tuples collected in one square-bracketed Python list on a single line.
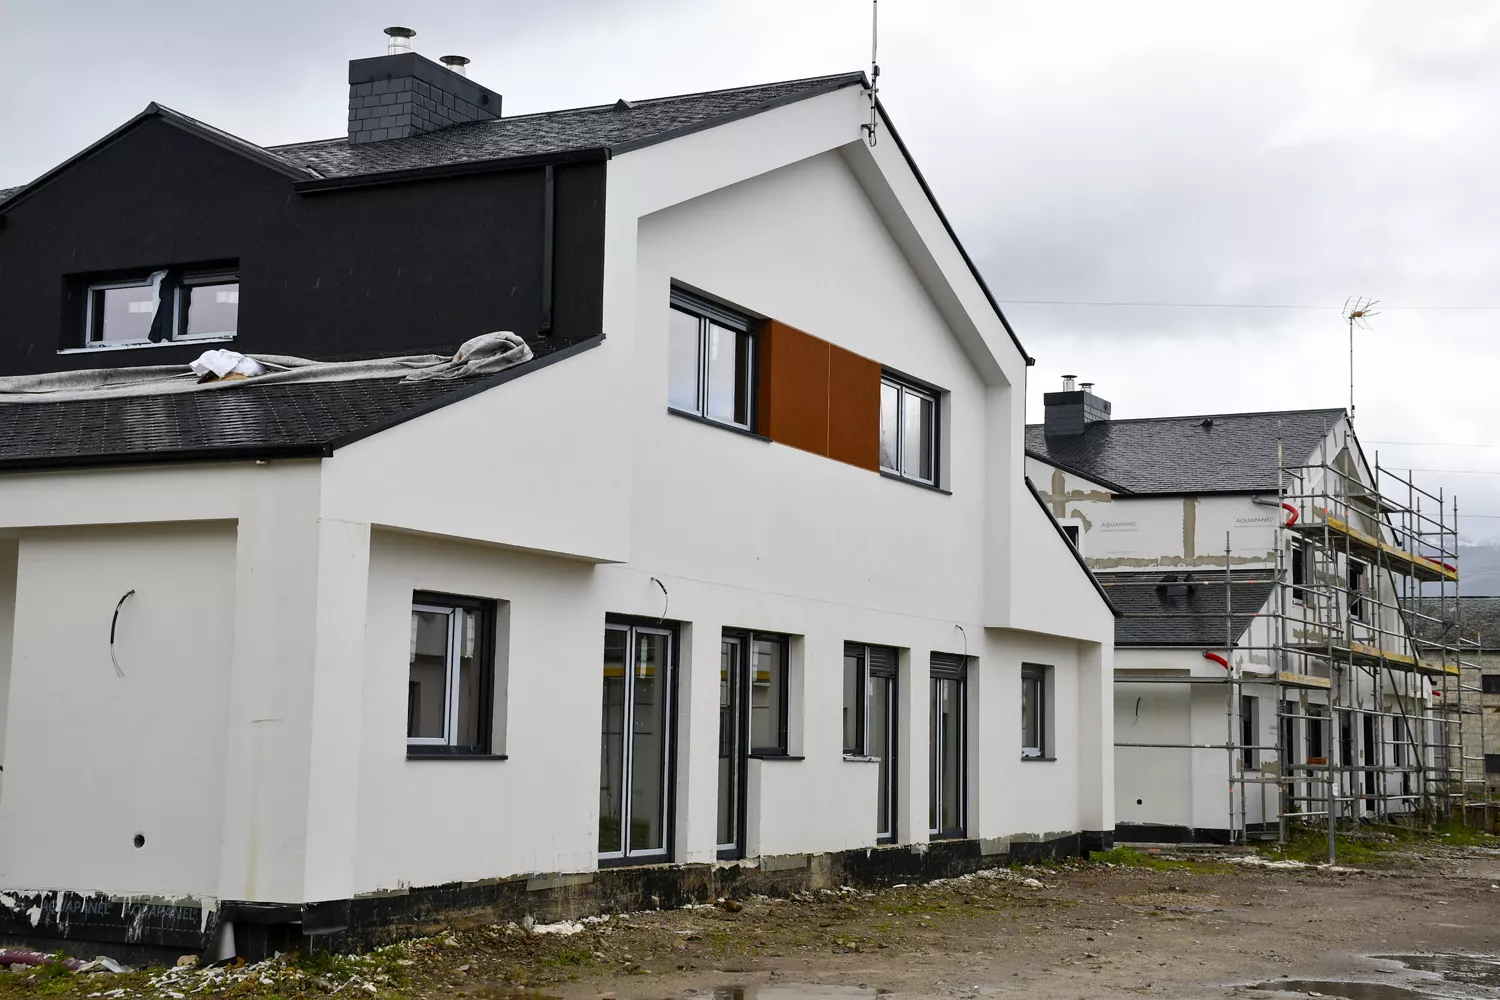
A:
[(795, 991), (1471, 970), (1348, 991)]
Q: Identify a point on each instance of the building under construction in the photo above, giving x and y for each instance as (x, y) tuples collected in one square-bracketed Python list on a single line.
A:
[(1274, 665)]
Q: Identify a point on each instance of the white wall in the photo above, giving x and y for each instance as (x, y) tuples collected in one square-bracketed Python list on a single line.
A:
[(92, 758)]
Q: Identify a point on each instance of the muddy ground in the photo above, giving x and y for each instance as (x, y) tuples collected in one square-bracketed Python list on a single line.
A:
[(1150, 927)]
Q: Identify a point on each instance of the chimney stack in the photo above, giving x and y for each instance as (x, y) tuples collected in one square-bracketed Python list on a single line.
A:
[(1070, 412), (402, 93)]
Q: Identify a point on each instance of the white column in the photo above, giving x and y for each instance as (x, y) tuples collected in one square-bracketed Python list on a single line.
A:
[(1096, 736), (912, 740), (697, 744)]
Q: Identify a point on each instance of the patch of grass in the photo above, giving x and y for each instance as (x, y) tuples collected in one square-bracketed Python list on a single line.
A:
[(1127, 857)]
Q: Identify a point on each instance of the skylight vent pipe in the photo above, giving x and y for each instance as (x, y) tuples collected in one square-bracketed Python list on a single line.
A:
[(398, 39), (455, 63)]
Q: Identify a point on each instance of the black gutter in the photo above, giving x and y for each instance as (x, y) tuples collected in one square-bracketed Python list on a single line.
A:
[(586, 154), (1077, 556)]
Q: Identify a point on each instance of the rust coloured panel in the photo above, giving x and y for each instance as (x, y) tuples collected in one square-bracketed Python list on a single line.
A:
[(794, 388), (853, 409)]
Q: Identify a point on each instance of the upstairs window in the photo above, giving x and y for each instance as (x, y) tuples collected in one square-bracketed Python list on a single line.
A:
[(908, 430), (1357, 607), (1490, 683), (711, 361), (163, 306)]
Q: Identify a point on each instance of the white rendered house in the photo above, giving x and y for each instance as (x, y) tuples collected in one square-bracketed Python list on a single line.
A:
[(738, 578)]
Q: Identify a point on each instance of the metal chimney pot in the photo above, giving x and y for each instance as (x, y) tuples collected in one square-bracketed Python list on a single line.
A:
[(398, 39), (455, 63), (1068, 382)]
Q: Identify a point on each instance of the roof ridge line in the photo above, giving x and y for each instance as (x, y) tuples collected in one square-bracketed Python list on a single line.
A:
[(1201, 416)]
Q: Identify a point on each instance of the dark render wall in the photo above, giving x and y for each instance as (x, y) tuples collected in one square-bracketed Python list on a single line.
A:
[(413, 267)]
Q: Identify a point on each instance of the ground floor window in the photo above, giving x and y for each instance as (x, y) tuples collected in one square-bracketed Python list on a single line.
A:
[(948, 746), (450, 675), (1247, 731), (636, 741), (870, 722), (1034, 709)]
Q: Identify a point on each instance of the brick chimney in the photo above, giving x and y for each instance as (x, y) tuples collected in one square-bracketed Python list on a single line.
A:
[(1069, 413), (403, 93)]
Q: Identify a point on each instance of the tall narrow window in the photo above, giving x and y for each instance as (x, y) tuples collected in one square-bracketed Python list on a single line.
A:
[(1317, 743), (710, 361), (1033, 710), (1299, 572), (870, 722), (1247, 730), (450, 675), (1358, 609), (908, 430), (948, 746), (636, 741)]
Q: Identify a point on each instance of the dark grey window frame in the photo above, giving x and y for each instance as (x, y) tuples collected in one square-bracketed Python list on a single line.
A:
[(1358, 574), (1040, 675), (487, 611), (631, 625), (950, 667), (1248, 728), (1299, 572), (1489, 683), (748, 638), (707, 312), (884, 662), (908, 385)]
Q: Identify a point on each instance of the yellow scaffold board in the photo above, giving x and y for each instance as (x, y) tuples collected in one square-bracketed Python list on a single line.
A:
[(1377, 550), (1302, 680)]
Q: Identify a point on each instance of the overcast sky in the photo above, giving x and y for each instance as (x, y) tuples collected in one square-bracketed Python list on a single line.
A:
[(1269, 154)]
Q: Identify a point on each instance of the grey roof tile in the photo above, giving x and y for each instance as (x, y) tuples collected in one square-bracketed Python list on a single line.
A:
[(551, 131), (1152, 615), (1237, 453), (7, 192), (1475, 614)]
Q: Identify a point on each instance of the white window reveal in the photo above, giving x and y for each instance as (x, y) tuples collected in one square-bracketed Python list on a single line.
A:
[(711, 361), (908, 430), (450, 676)]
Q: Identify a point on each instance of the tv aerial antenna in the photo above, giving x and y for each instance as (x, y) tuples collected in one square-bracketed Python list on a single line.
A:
[(874, 123), (1357, 313)]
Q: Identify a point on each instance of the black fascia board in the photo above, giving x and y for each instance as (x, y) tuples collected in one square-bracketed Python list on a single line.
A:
[(218, 137), (838, 83), (1041, 457), (473, 389), (932, 200), (1077, 556), (583, 154)]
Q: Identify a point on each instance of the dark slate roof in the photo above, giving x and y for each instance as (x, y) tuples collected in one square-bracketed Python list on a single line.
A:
[(7, 192), (1475, 614), (1151, 614), (243, 421), (1178, 455), (551, 132)]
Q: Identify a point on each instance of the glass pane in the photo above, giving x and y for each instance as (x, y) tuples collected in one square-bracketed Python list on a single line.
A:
[(682, 361), (890, 427), (881, 742), (470, 683), (648, 744), (122, 315), (854, 707), (612, 742), (427, 687), (210, 310), (729, 699), (728, 375), (916, 436), (767, 681), (951, 705), (1030, 720), (934, 757)]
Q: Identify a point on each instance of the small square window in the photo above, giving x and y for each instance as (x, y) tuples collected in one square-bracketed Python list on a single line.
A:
[(1489, 683), (908, 430), (710, 361), (207, 306), (450, 675), (1034, 710), (1492, 763)]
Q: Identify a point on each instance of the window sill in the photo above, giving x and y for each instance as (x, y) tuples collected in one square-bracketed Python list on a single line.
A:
[(1044, 760), (855, 758), (141, 347), (441, 754), (915, 482), (765, 755), (700, 419)]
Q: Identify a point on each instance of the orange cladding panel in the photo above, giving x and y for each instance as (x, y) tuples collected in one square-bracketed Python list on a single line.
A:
[(853, 409), (794, 388)]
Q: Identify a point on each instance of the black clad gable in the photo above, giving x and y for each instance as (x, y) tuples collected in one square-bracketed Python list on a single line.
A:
[(403, 268)]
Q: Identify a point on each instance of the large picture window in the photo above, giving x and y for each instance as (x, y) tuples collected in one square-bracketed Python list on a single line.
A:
[(450, 675), (711, 361), (908, 430)]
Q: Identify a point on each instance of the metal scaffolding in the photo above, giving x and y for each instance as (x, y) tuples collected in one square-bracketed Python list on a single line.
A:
[(1367, 684)]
